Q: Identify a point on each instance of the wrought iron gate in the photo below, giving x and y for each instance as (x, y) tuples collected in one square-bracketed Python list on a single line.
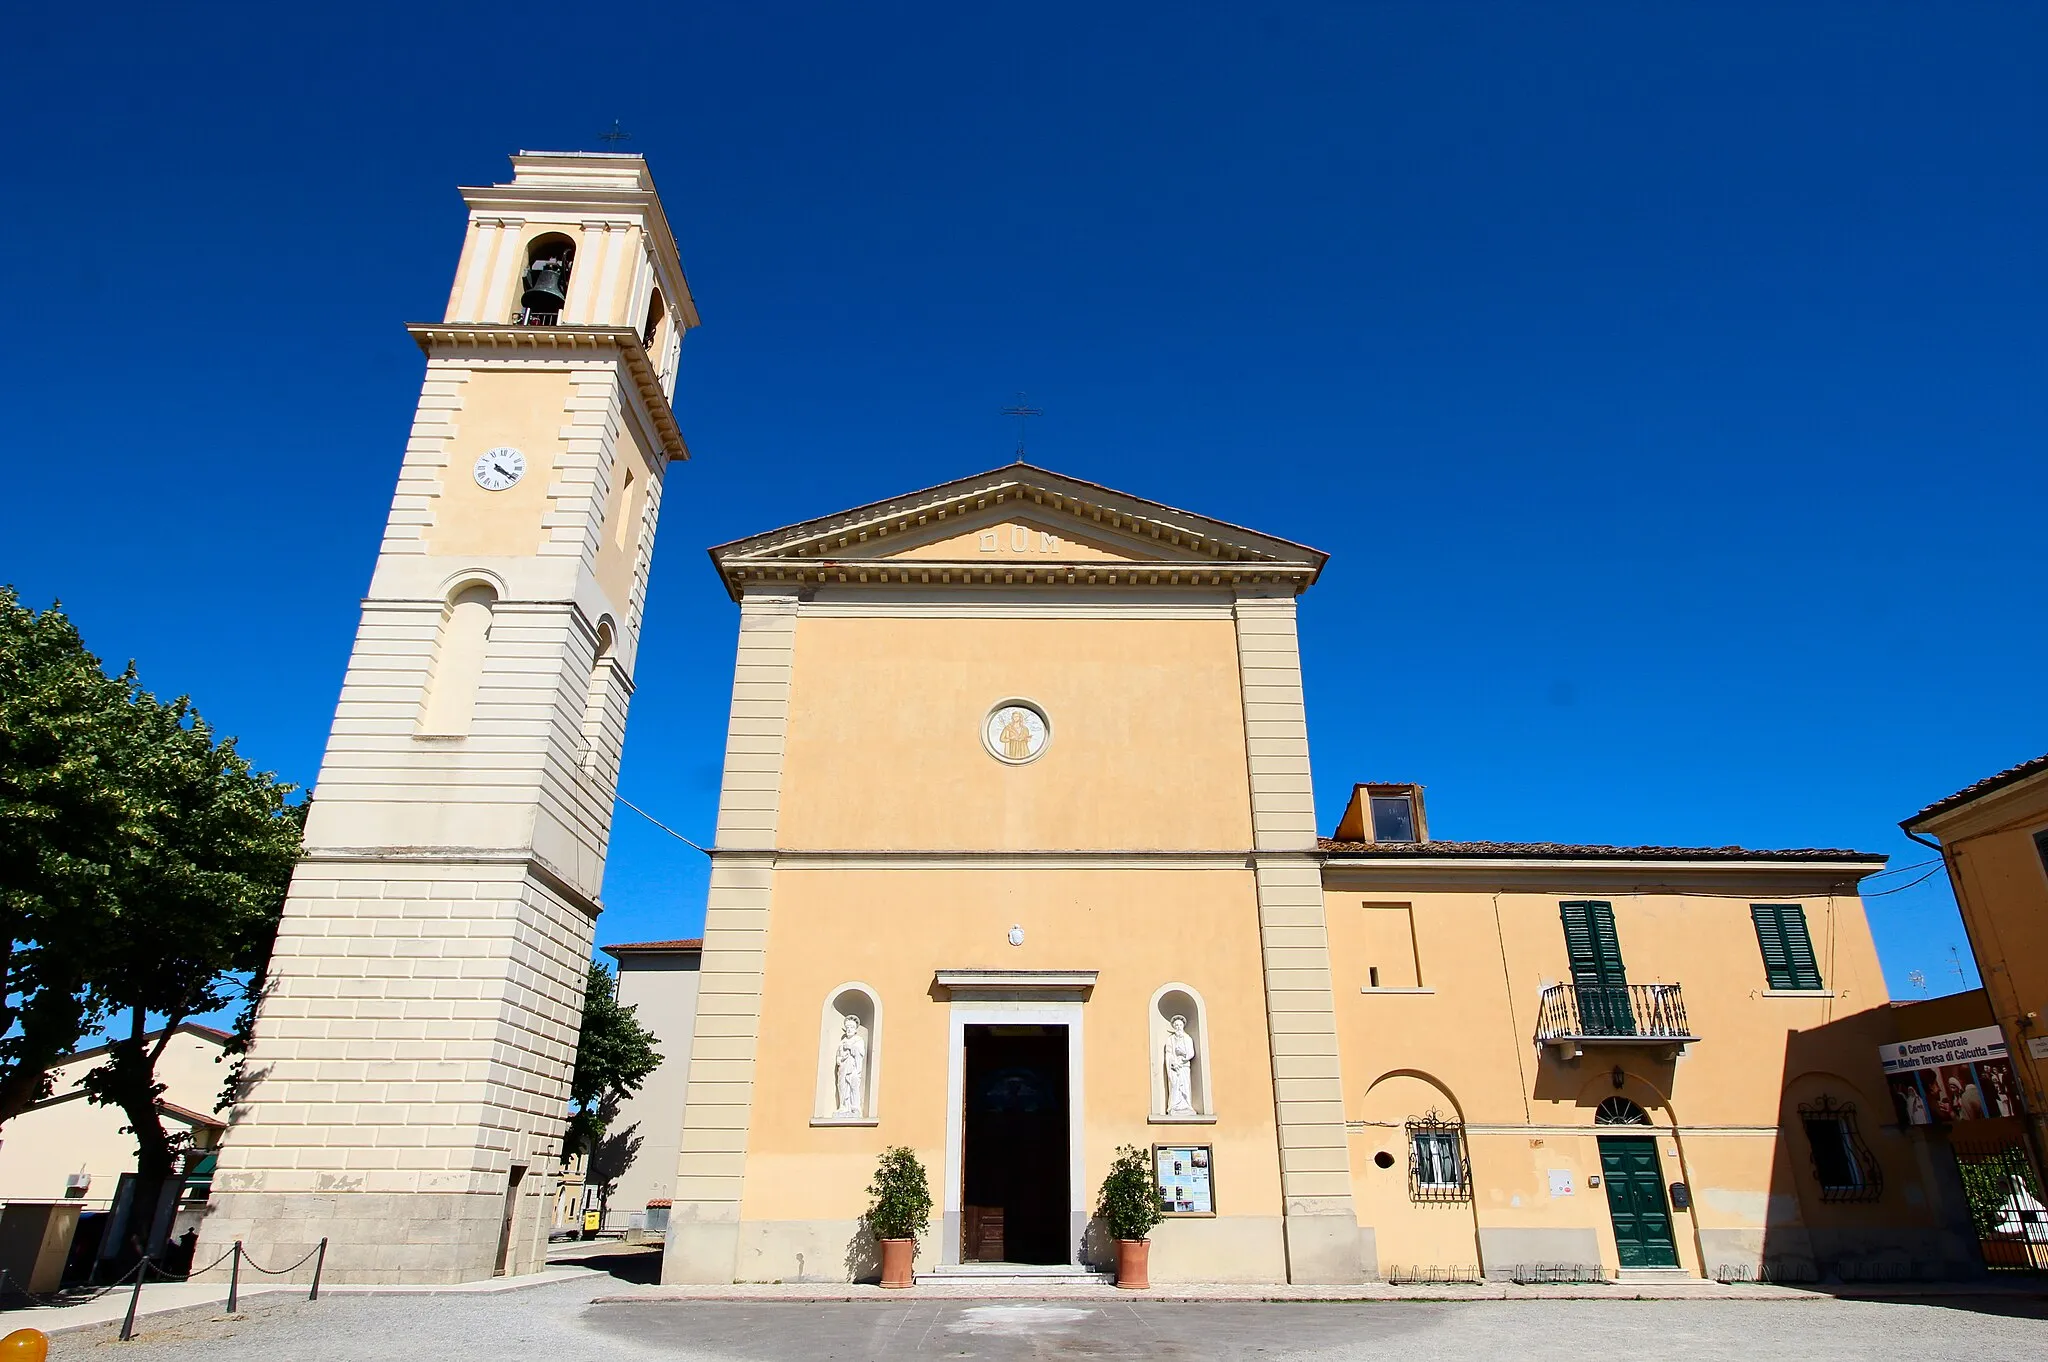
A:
[(2006, 1206)]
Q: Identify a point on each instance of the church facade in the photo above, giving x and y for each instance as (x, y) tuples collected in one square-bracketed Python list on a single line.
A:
[(1017, 864)]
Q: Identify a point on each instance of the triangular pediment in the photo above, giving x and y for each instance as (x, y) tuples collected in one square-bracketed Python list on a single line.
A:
[(1015, 520)]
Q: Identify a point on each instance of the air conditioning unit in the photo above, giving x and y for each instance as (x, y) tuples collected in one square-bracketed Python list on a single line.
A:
[(75, 1184)]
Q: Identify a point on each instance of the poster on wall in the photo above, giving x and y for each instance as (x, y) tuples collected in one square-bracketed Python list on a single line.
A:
[(1184, 1176), (1961, 1076)]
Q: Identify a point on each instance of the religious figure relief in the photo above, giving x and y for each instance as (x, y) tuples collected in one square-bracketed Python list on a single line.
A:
[(1014, 732), (1016, 738), (850, 1068), (1179, 1054)]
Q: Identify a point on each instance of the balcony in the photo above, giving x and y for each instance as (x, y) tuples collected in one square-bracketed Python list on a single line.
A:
[(1574, 1016), (527, 316)]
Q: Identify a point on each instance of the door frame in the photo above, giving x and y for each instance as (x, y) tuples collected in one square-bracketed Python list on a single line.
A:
[(1649, 1137), (1008, 1013)]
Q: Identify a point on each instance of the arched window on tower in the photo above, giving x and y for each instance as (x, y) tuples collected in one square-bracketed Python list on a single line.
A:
[(655, 312), (600, 747), (544, 285), (458, 667)]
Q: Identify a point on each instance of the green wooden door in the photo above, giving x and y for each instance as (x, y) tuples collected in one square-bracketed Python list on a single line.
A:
[(1598, 977), (1635, 1199)]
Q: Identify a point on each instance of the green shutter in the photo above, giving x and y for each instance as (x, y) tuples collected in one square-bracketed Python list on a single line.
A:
[(1770, 935), (1595, 949), (1788, 950)]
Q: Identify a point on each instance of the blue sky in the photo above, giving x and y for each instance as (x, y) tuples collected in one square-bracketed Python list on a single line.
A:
[(1666, 381)]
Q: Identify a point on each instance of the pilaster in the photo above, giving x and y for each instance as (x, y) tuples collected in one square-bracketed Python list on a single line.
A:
[(703, 1236), (1308, 1096)]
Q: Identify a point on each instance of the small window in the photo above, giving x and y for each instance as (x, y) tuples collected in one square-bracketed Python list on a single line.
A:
[(1788, 950), (1393, 818), (2041, 847), (1619, 1111), (1437, 1170), (1845, 1170)]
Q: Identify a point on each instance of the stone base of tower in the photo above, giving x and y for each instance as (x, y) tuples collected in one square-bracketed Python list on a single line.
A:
[(380, 1238), (410, 1069)]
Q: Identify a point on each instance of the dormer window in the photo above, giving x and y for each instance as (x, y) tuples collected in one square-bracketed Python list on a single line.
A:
[(1393, 818), (1384, 814)]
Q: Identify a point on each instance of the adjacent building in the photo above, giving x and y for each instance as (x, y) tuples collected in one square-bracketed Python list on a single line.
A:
[(658, 980), (1017, 863), (1993, 840)]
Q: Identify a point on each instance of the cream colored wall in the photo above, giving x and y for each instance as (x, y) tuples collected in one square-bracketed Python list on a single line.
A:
[(68, 1134), (884, 748), (522, 408), (618, 554), (1485, 958), (662, 990)]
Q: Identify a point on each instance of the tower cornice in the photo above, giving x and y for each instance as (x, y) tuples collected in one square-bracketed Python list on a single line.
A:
[(431, 336)]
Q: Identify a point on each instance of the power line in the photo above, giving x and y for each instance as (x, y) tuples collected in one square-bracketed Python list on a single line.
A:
[(659, 824)]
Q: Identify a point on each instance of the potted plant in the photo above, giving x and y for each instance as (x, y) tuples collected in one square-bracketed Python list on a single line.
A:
[(899, 1211), (1130, 1206)]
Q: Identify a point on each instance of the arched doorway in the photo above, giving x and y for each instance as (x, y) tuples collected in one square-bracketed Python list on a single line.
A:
[(1634, 1181)]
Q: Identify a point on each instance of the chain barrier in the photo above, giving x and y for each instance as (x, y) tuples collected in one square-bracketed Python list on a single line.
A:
[(138, 1275), (63, 1298)]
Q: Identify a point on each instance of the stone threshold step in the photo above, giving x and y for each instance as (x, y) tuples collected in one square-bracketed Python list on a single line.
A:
[(1014, 1274)]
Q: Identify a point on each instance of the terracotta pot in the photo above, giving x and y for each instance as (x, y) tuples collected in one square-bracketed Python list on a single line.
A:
[(896, 1256), (1132, 1258)]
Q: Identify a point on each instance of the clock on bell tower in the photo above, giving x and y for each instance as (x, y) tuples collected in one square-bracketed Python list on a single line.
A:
[(410, 1069)]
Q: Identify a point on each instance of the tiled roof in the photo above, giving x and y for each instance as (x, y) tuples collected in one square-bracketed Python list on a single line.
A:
[(189, 1116), (2011, 775), (1563, 851), (695, 943)]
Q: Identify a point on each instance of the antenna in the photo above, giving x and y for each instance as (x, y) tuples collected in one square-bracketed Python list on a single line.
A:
[(1917, 980), (1955, 962), (1023, 414), (617, 135)]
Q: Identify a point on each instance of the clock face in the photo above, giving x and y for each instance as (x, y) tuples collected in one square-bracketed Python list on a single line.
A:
[(497, 469)]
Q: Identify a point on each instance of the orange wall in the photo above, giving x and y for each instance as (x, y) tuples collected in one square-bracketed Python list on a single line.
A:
[(884, 747)]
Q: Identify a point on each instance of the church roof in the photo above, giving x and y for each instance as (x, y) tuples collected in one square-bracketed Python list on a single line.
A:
[(1018, 525)]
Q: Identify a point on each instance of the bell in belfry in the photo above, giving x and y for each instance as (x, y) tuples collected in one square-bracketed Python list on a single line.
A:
[(546, 283)]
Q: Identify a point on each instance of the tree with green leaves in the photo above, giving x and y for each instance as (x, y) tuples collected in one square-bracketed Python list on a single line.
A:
[(200, 891), (143, 867), (65, 813), (614, 1056)]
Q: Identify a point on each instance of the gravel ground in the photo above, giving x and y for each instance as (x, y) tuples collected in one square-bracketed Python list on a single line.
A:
[(560, 1324)]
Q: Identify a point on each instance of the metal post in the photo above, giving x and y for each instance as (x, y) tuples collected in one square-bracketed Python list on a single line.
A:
[(318, 1263), (134, 1299), (235, 1277)]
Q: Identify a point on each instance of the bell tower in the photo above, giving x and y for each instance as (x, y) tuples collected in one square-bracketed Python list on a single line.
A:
[(409, 1078)]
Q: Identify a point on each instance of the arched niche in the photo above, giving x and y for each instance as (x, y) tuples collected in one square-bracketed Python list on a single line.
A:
[(1168, 1002), (457, 669), (858, 1001)]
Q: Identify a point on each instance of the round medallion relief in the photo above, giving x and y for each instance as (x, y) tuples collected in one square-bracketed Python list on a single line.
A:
[(1016, 731)]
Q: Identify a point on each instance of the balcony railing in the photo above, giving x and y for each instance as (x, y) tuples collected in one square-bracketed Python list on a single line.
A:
[(1574, 1016), (526, 316)]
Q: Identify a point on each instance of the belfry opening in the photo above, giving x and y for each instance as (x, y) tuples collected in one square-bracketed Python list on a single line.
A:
[(1014, 1157)]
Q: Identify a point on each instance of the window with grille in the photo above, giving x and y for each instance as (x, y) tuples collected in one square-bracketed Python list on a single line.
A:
[(1788, 950), (1437, 1170), (1844, 1168)]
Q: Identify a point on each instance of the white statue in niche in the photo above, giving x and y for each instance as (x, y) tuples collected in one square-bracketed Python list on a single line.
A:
[(1179, 1053), (850, 1067)]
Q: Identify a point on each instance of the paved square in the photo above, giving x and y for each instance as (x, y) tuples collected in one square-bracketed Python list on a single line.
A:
[(561, 1324)]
